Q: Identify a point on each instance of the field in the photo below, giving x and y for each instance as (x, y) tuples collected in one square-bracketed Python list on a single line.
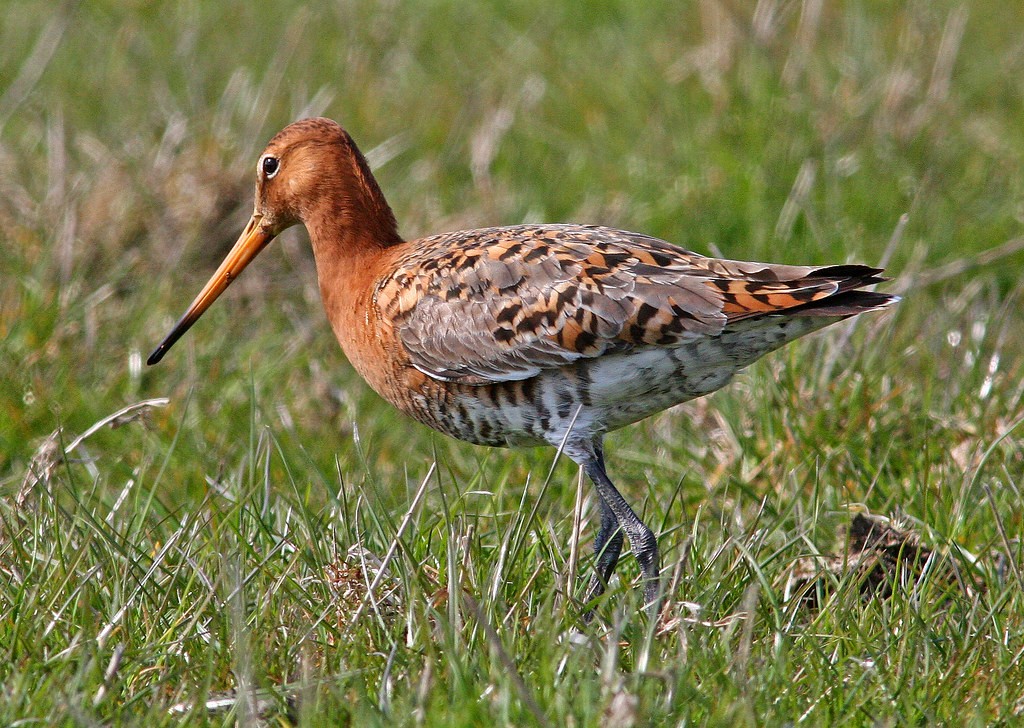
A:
[(194, 542)]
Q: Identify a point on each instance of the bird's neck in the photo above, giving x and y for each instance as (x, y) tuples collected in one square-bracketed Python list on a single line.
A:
[(350, 224), (352, 210), (351, 253), (347, 256), (354, 234), (349, 265)]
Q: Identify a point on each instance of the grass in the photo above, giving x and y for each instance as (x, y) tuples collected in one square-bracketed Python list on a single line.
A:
[(219, 546)]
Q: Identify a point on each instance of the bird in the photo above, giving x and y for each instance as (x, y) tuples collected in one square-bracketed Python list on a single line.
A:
[(528, 334)]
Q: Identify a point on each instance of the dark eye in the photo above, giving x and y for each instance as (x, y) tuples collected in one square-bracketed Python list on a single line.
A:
[(270, 166)]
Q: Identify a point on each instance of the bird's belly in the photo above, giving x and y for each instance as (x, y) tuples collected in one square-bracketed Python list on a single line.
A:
[(629, 387), (577, 402)]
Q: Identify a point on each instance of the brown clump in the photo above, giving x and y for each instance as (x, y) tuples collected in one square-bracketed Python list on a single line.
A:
[(350, 579), (884, 555)]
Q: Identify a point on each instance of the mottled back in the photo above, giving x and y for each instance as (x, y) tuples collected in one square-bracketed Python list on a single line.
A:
[(500, 304)]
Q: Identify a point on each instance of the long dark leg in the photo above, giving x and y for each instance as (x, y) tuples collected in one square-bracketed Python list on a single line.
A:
[(607, 547), (641, 539)]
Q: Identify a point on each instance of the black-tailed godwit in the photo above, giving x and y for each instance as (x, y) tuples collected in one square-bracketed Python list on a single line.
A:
[(527, 334)]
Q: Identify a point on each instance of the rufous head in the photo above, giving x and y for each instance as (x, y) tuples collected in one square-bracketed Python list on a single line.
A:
[(312, 173), (313, 167)]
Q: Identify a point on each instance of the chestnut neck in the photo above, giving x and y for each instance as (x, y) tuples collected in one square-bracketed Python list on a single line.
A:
[(350, 225)]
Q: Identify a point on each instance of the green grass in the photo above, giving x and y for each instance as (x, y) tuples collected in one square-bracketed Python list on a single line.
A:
[(205, 548)]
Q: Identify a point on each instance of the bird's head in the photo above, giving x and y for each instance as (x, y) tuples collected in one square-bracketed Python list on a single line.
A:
[(312, 173)]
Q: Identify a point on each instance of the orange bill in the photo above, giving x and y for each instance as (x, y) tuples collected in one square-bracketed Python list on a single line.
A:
[(252, 240)]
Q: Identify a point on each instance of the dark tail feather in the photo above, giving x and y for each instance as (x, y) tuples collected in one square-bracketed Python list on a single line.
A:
[(850, 277), (848, 300), (846, 303)]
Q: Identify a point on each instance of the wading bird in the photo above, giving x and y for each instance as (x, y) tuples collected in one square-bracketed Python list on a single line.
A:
[(530, 334)]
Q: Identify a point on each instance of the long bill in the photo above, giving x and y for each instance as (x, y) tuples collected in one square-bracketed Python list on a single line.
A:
[(252, 240)]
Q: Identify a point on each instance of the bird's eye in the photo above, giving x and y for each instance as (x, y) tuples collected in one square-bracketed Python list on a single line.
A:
[(270, 166)]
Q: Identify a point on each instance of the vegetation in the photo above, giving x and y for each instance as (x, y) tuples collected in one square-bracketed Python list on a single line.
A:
[(219, 545)]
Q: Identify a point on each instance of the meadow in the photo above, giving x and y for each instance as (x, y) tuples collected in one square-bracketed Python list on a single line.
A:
[(196, 542)]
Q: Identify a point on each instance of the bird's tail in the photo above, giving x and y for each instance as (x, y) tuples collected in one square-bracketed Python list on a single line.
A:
[(848, 298)]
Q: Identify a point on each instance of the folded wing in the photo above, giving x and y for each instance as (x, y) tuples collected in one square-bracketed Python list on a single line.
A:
[(503, 304)]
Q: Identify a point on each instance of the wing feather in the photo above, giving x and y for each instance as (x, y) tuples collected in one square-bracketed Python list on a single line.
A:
[(501, 304)]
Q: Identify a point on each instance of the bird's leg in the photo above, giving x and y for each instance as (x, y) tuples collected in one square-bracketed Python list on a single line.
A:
[(607, 547), (641, 538)]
